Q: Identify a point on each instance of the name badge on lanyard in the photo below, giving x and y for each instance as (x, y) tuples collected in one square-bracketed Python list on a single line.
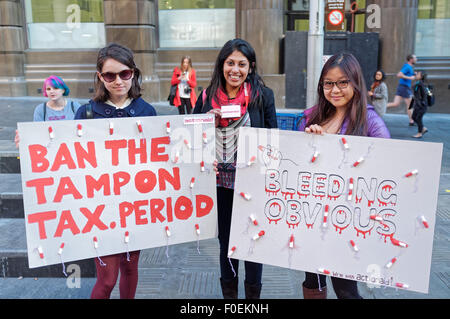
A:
[(230, 111), (233, 110)]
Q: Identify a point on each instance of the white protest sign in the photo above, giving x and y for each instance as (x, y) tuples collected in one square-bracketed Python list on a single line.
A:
[(351, 207), (105, 186)]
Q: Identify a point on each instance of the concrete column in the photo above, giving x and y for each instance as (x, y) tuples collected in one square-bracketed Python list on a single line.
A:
[(12, 46), (261, 24), (133, 23), (397, 37)]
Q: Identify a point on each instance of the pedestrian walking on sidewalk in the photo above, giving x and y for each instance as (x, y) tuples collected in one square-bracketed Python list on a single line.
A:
[(235, 81), (379, 93), (420, 103), (342, 109), (404, 93), (117, 94)]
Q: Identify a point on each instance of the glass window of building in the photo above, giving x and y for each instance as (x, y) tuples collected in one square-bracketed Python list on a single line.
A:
[(65, 24), (433, 24), (196, 23), (298, 15)]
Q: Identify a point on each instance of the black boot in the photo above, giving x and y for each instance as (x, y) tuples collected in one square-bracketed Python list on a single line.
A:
[(229, 288), (252, 291), (314, 293)]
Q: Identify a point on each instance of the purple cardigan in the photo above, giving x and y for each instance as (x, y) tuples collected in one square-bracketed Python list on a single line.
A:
[(376, 125)]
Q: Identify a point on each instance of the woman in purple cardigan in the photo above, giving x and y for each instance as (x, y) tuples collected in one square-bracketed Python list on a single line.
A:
[(342, 109)]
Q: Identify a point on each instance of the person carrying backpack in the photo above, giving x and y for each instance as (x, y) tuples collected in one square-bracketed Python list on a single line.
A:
[(420, 103)]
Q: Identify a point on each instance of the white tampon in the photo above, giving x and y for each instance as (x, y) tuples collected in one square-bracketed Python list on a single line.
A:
[(188, 145), (259, 235), (205, 139), (177, 157), (197, 229), (316, 154), (79, 130), (344, 142), (350, 189), (51, 133), (60, 250), (355, 248), (95, 243), (246, 196), (168, 127), (202, 166), (325, 216), (251, 161), (291, 241), (253, 219), (361, 159), (324, 271), (111, 128), (397, 242), (139, 125), (401, 285), (231, 251), (376, 217), (412, 173), (168, 231), (424, 221), (391, 263), (41, 252), (192, 182), (127, 237)]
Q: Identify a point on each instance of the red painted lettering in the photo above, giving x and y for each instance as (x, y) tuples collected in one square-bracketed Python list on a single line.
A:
[(41, 218), (37, 153), (39, 184), (114, 146), (63, 157), (66, 187)]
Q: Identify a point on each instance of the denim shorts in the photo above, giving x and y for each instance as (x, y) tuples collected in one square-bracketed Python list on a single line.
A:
[(404, 91)]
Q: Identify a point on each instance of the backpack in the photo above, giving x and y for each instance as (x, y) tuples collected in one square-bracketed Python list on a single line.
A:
[(429, 91)]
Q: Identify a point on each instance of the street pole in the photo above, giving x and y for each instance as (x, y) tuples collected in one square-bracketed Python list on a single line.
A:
[(315, 49)]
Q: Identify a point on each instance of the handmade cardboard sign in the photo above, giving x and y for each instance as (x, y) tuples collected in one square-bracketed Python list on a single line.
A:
[(98, 187), (351, 207)]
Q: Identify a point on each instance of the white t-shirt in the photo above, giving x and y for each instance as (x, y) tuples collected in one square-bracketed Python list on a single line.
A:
[(182, 85)]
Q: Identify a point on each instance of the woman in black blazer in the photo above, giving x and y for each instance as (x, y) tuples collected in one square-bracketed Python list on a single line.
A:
[(235, 81)]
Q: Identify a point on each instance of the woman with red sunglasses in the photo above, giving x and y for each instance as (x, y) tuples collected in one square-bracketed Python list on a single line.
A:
[(117, 94)]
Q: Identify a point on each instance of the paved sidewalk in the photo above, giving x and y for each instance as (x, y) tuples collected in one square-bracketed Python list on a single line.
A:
[(186, 274)]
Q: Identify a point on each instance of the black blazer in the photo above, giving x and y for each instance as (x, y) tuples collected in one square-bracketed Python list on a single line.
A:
[(264, 118)]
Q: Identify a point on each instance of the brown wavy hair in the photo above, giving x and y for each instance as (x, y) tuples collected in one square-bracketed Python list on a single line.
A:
[(189, 63), (123, 55), (357, 106)]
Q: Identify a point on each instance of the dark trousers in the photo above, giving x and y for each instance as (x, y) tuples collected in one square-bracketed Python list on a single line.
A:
[(417, 116), (185, 107), (107, 275), (344, 289), (253, 271)]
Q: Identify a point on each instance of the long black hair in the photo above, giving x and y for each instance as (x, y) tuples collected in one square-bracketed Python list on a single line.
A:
[(218, 80), (123, 55), (357, 107)]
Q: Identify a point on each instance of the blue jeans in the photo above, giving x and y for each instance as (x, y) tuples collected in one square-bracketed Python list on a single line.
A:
[(253, 271)]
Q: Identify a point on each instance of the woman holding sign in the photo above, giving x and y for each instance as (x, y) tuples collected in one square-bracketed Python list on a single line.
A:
[(341, 109), (117, 94), (237, 96)]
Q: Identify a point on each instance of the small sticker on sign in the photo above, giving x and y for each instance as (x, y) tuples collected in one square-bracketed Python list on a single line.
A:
[(198, 120)]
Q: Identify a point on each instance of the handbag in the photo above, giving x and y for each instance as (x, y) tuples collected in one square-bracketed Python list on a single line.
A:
[(171, 97)]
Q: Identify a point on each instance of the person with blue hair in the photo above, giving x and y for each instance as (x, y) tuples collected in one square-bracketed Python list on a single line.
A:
[(58, 106)]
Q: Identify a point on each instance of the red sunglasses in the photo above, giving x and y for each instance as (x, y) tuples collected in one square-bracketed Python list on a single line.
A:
[(111, 76)]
